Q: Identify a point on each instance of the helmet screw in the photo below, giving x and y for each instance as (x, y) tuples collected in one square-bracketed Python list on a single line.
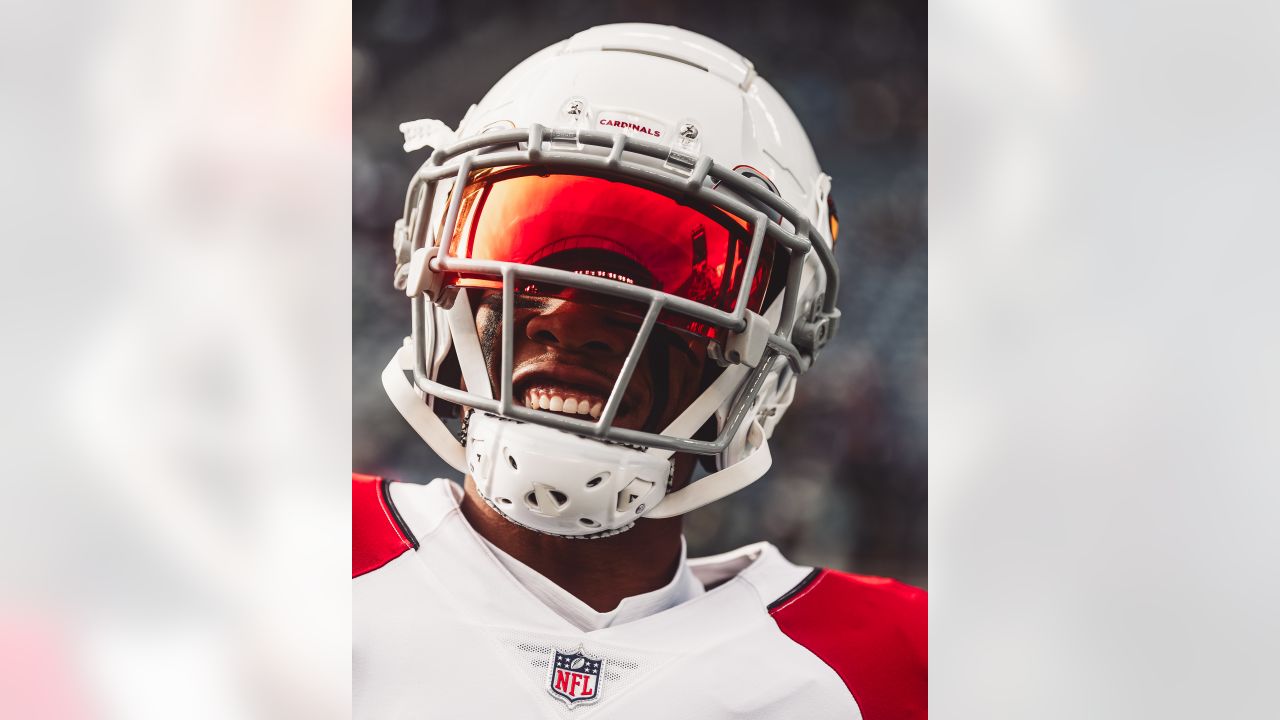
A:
[(574, 107), (688, 131), (640, 509)]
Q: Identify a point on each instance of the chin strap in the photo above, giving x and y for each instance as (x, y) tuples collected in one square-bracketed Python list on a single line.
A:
[(436, 434), (417, 413), (719, 484), (723, 482), (466, 343), (704, 406)]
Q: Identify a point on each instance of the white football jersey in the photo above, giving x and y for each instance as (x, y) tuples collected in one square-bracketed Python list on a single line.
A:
[(441, 629)]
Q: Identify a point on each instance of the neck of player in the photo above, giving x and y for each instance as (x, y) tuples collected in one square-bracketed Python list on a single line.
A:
[(600, 573)]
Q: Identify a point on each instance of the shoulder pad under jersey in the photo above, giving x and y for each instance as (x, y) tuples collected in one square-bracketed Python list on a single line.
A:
[(873, 632), (378, 535)]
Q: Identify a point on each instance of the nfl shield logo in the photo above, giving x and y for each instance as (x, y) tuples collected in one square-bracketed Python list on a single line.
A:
[(575, 677)]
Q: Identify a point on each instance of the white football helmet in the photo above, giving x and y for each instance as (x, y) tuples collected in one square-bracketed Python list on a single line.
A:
[(656, 145)]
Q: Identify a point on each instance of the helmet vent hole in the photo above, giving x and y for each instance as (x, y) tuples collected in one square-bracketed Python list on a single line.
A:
[(631, 494), (588, 522), (504, 501), (512, 462), (558, 499), (597, 480)]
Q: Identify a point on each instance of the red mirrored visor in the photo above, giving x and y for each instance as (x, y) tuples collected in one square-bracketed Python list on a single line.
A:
[(605, 228)]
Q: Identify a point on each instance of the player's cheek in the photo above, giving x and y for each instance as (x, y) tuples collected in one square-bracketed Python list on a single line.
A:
[(687, 372)]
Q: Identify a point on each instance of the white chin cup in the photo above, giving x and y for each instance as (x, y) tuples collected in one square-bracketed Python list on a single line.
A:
[(559, 483)]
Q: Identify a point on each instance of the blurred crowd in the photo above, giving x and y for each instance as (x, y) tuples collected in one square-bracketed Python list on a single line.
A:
[(849, 484)]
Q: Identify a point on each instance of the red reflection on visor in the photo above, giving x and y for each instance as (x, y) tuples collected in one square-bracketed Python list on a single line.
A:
[(604, 228)]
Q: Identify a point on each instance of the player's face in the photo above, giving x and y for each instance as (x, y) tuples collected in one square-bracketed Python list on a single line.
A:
[(568, 355)]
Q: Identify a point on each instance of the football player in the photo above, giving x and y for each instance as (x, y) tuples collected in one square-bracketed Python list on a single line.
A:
[(619, 265)]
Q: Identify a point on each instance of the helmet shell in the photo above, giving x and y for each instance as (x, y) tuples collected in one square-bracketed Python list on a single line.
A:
[(653, 81)]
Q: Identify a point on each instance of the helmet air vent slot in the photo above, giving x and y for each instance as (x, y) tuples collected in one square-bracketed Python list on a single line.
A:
[(631, 494)]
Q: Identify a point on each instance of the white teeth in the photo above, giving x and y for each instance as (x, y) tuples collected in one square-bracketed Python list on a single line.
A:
[(563, 403)]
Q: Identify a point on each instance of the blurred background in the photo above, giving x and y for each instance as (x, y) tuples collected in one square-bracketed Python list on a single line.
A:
[(177, 415), (175, 513), (848, 488)]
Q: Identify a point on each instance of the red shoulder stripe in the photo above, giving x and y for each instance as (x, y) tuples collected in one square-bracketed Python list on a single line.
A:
[(872, 631), (378, 535)]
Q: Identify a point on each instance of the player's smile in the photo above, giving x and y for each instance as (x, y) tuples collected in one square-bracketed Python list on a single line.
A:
[(558, 385), (567, 357)]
